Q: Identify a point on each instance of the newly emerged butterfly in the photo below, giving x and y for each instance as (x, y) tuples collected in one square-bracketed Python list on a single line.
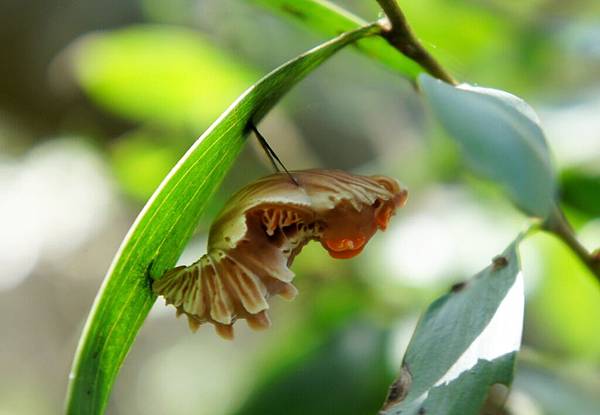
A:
[(262, 228)]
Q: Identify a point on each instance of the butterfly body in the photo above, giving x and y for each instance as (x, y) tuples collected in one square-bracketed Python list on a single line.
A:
[(255, 238)]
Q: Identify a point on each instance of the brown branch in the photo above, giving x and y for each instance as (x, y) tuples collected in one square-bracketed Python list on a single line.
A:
[(399, 34), (557, 224)]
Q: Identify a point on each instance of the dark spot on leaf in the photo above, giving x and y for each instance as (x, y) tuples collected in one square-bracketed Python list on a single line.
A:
[(495, 402), (458, 287), (421, 411), (399, 389), (499, 262), (148, 274), (410, 50), (293, 11)]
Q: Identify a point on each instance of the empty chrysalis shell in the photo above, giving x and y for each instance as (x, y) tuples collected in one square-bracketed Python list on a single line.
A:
[(254, 240)]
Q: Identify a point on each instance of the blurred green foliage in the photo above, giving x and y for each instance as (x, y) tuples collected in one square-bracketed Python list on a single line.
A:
[(141, 160), (155, 73), (329, 19), (466, 49), (563, 391), (144, 83), (570, 300), (581, 190), (345, 374)]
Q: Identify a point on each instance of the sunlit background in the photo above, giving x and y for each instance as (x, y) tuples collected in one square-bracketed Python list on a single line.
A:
[(98, 100)]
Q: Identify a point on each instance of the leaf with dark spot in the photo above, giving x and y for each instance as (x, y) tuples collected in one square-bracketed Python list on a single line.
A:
[(465, 342)]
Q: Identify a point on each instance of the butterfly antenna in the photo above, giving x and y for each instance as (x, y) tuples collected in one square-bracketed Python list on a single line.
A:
[(273, 158)]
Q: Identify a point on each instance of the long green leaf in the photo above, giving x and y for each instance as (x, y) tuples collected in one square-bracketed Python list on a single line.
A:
[(329, 19), (466, 342), (164, 226)]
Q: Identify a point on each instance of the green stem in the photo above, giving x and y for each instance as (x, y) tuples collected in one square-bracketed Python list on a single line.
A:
[(560, 227), (399, 34)]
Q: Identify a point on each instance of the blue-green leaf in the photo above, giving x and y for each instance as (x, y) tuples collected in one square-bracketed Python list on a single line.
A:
[(164, 226), (501, 138), (465, 343)]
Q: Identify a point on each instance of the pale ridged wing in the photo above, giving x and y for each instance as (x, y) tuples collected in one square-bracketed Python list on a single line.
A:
[(193, 302), (174, 285), (213, 289), (266, 265), (230, 226), (221, 304), (320, 190), (327, 188), (182, 287), (247, 286)]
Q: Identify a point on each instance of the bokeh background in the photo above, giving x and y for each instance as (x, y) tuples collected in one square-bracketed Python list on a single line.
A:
[(98, 100)]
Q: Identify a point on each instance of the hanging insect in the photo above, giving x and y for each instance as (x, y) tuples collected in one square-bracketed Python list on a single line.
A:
[(262, 228)]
